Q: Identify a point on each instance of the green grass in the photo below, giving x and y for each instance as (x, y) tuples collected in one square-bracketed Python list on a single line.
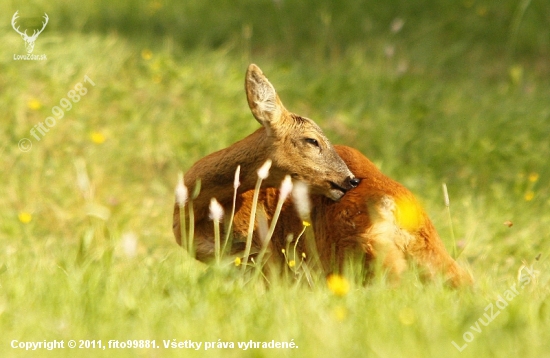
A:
[(460, 101)]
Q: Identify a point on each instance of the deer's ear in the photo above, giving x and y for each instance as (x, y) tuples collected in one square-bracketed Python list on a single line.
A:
[(262, 98)]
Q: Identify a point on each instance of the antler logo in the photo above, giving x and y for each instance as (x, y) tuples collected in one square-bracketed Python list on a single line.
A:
[(29, 40)]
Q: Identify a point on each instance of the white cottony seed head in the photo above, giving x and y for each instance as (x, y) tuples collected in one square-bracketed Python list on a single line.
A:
[(263, 172), (182, 194), (216, 210), (236, 182), (129, 244), (300, 196), (82, 178), (286, 188), (446, 195)]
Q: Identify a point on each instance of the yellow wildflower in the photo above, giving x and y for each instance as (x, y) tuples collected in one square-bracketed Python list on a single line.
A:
[(340, 313), (533, 177), (306, 223), (338, 285), (34, 104), (529, 195), (25, 217), (237, 261), (291, 263), (97, 137), (146, 54)]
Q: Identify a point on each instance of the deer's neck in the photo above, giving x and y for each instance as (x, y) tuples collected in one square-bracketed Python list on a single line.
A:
[(216, 171)]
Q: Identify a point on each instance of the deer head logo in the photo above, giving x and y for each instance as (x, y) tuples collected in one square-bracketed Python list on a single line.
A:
[(29, 40)]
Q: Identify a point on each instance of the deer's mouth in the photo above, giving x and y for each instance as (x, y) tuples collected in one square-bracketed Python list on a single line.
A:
[(336, 192)]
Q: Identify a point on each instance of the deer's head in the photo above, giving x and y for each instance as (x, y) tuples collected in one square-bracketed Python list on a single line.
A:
[(299, 147), (29, 40)]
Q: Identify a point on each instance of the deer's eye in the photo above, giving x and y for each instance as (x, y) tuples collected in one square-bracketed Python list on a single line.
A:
[(312, 141)]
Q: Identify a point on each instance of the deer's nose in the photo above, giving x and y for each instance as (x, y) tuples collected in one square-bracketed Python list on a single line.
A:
[(354, 182)]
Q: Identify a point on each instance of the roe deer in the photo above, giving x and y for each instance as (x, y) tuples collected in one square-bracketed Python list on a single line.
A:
[(379, 218), (295, 145)]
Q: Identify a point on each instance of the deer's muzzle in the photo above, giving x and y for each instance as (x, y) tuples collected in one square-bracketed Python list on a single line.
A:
[(337, 191)]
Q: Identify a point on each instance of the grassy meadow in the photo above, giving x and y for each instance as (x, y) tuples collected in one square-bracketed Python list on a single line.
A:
[(432, 92)]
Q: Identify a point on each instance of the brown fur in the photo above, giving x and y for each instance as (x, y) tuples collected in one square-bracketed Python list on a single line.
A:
[(363, 221)]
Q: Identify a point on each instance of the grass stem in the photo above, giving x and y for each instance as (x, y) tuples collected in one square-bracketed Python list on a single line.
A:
[(251, 224)]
